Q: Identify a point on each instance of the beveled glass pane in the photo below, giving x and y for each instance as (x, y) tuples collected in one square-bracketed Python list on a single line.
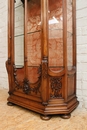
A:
[(55, 13), (19, 33), (69, 35)]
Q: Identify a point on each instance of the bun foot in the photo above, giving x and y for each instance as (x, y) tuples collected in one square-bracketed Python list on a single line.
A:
[(45, 117), (66, 116), (10, 104)]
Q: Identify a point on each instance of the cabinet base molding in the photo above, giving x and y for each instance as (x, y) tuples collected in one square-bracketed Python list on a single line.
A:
[(63, 109)]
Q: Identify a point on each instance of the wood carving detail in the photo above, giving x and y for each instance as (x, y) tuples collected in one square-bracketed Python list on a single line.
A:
[(18, 85), (8, 62), (44, 69), (56, 86), (26, 86)]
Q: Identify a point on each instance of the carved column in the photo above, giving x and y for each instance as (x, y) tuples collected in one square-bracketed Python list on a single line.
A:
[(10, 61), (44, 21)]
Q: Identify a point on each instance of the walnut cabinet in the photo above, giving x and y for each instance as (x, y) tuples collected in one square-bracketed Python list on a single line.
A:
[(41, 61)]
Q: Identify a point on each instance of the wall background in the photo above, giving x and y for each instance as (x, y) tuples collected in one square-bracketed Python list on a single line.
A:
[(3, 43), (81, 17), (82, 52)]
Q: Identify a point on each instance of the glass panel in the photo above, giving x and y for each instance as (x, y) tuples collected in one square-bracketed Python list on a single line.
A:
[(34, 39), (19, 34), (69, 35), (55, 34)]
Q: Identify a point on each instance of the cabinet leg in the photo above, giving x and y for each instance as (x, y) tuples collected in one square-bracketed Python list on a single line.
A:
[(66, 116), (45, 117), (10, 104)]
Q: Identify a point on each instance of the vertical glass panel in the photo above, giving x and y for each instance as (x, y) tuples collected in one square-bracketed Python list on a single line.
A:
[(55, 13), (69, 35), (19, 33), (34, 39)]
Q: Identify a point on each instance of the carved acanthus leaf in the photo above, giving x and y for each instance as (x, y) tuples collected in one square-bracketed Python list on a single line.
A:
[(56, 86)]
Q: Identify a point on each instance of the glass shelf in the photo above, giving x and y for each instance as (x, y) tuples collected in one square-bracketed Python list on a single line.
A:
[(18, 6), (33, 32), (27, 33), (19, 66), (69, 34), (19, 35)]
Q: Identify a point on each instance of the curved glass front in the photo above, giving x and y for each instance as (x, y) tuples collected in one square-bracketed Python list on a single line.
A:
[(69, 35), (19, 34), (55, 46), (18, 42)]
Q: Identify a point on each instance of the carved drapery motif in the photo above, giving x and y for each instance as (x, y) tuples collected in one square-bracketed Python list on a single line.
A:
[(56, 86), (26, 86), (31, 87)]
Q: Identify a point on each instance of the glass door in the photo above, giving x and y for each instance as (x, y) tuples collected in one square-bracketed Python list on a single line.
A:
[(33, 41), (18, 42), (55, 13), (69, 35), (19, 33)]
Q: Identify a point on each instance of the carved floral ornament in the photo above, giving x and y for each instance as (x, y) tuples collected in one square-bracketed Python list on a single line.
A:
[(56, 86)]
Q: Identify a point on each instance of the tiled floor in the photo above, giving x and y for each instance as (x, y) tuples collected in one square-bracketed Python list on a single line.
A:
[(17, 118)]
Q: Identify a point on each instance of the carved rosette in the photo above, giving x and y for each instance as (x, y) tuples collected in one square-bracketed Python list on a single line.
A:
[(56, 87), (26, 86)]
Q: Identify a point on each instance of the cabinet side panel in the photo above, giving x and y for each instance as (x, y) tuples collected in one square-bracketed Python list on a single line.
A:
[(71, 82)]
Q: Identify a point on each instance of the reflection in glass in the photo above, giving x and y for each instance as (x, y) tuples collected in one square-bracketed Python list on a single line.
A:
[(19, 33), (55, 13), (70, 37)]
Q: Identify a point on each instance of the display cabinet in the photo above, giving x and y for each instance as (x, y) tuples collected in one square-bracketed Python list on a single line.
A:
[(41, 61)]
